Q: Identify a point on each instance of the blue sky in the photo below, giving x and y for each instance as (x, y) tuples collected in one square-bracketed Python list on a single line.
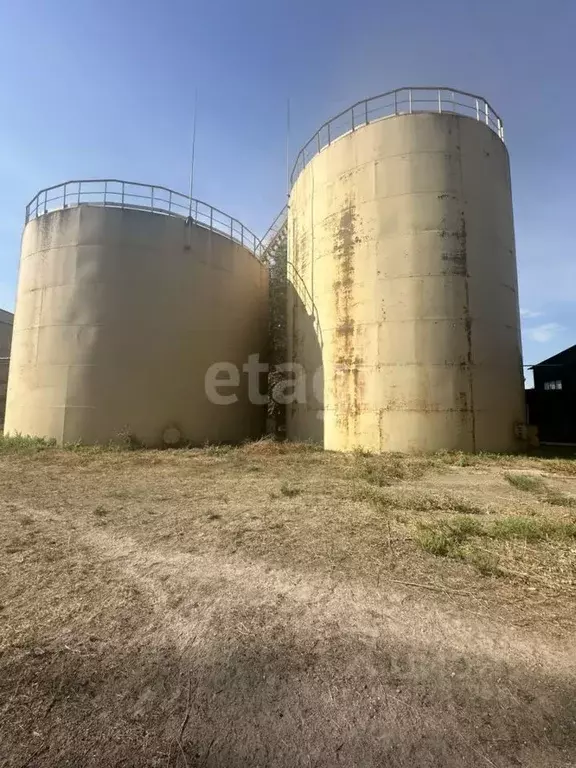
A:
[(102, 88)]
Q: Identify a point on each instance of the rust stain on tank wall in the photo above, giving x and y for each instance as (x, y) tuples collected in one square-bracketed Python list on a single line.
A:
[(348, 386), (462, 238)]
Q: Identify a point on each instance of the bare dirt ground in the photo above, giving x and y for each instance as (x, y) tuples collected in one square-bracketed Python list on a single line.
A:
[(278, 606)]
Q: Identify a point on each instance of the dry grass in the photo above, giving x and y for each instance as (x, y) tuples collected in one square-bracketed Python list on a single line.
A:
[(276, 605)]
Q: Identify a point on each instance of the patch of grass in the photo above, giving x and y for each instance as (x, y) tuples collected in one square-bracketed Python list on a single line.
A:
[(268, 446), (528, 483), (559, 499), (376, 475), (530, 529), (464, 507), (462, 528), (540, 461), (451, 539), (418, 501), (445, 537), (436, 543), (289, 490), (25, 444), (125, 439), (537, 486), (217, 449), (442, 502), (389, 468), (486, 563)]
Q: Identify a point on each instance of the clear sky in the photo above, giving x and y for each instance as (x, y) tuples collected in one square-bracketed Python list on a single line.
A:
[(105, 88)]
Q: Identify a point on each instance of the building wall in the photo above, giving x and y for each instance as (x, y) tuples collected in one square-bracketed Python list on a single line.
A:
[(403, 290), (559, 367), (554, 411), (119, 315), (6, 321)]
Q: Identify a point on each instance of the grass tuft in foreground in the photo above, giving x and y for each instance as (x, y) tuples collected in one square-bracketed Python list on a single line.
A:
[(528, 483), (465, 538), (538, 487), (24, 444)]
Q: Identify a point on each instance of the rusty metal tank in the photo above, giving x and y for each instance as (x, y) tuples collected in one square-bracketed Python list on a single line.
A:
[(403, 310), (127, 295)]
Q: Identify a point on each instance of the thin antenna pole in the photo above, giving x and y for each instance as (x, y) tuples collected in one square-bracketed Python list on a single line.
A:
[(288, 147), (193, 152)]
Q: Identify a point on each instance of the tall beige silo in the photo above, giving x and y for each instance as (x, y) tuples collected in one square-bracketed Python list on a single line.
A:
[(403, 286), (121, 312)]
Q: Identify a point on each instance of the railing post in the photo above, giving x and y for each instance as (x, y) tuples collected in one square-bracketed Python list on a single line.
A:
[(46, 201), (477, 110), (395, 102), (170, 202), (64, 197), (352, 118), (123, 192), (79, 191), (439, 101), (329, 139), (366, 111), (410, 100), (105, 191), (152, 198), (486, 108), (211, 218)]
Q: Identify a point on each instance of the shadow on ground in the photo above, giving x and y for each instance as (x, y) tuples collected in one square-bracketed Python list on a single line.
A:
[(251, 699)]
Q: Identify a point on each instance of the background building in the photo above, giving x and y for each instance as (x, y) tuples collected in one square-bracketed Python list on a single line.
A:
[(6, 322), (552, 402)]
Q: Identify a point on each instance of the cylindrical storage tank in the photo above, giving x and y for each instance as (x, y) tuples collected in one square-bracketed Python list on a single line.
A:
[(136, 323), (403, 299)]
